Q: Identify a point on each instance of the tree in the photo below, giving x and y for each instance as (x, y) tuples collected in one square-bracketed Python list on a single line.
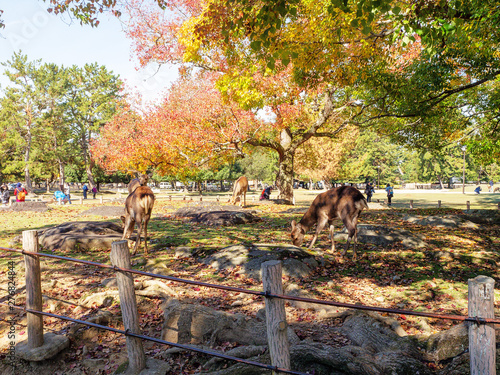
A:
[(49, 114), (192, 128), (407, 66), (21, 110), (94, 96)]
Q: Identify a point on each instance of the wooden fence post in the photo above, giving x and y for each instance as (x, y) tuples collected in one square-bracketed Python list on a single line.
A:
[(102, 199), (468, 206), (277, 327), (81, 200), (411, 204), (439, 204), (33, 289), (170, 197), (120, 257), (482, 347)]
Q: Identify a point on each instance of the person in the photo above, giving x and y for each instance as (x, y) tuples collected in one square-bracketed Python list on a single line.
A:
[(266, 193), (491, 186), (60, 197), (85, 189), (94, 191), (20, 192), (369, 192), (390, 194), (477, 190), (67, 192), (5, 195)]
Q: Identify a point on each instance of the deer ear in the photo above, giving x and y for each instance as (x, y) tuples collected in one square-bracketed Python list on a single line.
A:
[(293, 224), (122, 218)]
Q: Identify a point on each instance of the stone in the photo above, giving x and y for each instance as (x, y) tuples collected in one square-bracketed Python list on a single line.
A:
[(52, 345), (82, 235)]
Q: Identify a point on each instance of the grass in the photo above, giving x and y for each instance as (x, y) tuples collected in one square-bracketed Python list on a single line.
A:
[(433, 278)]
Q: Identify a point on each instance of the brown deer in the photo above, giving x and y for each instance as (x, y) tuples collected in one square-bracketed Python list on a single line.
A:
[(240, 189), (345, 203), (138, 208), (141, 180)]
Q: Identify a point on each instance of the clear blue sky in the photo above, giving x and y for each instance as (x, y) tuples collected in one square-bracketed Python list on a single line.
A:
[(58, 39)]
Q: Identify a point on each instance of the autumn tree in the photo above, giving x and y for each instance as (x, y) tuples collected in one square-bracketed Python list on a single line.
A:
[(190, 129), (408, 67)]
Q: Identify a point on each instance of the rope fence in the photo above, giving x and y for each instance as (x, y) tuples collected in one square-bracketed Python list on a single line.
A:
[(481, 309)]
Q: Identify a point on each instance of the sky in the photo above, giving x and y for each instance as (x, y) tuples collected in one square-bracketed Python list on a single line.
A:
[(57, 39)]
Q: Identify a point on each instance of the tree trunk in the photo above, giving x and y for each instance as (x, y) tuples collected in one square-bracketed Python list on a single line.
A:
[(284, 179), (88, 161), (62, 176), (27, 177)]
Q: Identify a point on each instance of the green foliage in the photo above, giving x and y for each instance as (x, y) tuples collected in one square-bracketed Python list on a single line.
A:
[(49, 114), (260, 164)]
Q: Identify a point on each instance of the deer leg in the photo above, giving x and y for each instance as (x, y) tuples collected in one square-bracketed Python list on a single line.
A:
[(351, 228), (146, 221), (138, 239), (332, 229), (245, 198), (319, 227), (128, 226)]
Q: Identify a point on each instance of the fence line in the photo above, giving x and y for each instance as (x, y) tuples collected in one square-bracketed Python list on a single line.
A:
[(159, 341), (481, 289), (266, 294)]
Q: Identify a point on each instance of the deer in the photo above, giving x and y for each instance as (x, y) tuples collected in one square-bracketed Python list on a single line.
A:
[(138, 208), (240, 189), (141, 180), (345, 203)]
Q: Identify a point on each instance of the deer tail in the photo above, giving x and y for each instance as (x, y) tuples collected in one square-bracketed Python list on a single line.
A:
[(361, 204)]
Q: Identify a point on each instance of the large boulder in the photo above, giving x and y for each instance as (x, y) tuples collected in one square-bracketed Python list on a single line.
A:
[(81, 235)]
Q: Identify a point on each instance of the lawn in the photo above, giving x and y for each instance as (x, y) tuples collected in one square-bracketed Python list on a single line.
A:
[(431, 279)]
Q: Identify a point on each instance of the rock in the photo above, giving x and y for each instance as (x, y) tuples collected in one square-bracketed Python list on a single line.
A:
[(445, 221), (195, 324), (250, 259), (212, 213), (383, 235), (155, 367), (83, 235), (27, 206), (52, 344), (183, 252), (100, 299), (447, 344)]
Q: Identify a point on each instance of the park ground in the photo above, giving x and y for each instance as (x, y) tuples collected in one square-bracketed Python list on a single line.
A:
[(430, 279)]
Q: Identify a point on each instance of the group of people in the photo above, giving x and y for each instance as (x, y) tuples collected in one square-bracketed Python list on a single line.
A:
[(63, 195), (370, 190), (85, 190), (19, 192)]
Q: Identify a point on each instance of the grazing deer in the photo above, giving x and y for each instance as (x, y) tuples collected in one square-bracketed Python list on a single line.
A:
[(240, 189), (138, 208), (141, 180), (497, 190), (345, 203)]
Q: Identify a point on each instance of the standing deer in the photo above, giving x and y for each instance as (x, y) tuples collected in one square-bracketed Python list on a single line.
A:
[(138, 208), (141, 180), (240, 189), (345, 203)]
